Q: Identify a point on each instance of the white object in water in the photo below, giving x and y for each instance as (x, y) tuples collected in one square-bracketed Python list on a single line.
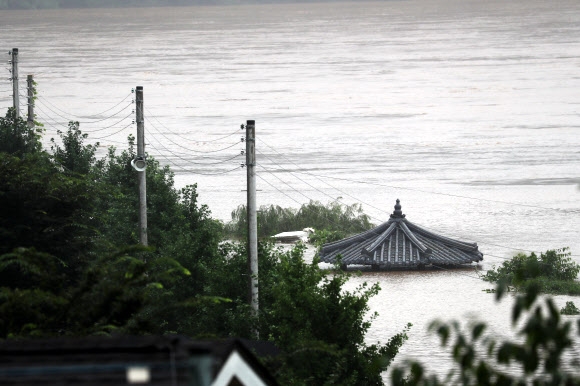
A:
[(292, 237)]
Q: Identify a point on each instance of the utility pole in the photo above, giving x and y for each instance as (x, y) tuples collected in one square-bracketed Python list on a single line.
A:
[(30, 88), (252, 216), (15, 95), (140, 164)]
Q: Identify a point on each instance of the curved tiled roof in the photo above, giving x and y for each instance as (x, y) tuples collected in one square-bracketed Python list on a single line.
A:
[(398, 243)]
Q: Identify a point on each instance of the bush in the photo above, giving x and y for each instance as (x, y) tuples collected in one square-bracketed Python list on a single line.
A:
[(570, 309), (552, 272)]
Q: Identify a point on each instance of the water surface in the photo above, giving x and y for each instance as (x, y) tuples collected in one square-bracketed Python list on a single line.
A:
[(467, 111)]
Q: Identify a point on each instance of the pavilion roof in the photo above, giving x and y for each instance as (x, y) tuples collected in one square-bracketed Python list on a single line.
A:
[(400, 244)]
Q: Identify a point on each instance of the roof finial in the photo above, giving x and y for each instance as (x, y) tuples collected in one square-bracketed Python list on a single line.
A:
[(398, 213)]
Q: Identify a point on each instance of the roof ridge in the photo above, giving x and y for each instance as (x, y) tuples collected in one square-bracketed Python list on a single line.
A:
[(381, 239), (414, 238), (326, 248), (444, 239)]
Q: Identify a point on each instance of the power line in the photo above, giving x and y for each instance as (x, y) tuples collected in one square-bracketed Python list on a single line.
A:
[(358, 200), (183, 147), (486, 254), (423, 191), (189, 160), (189, 170), (51, 110), (444, 194), (108, 127), (42, 100), (334, 187), (455, 271), (320, 191), (291, 198), (177, 155), (47, 117), (97, 115), (117, 132), (188, 139)]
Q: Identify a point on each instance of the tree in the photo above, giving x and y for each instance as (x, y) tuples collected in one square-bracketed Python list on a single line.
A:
[(69, 265), (336, 220), (481, 360), (117, 293), (552, 272), (321, 327), (16, 138), (42, 207), (74, 156)]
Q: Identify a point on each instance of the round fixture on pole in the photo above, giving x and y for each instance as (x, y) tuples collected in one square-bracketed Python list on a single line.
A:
[(139, 164)]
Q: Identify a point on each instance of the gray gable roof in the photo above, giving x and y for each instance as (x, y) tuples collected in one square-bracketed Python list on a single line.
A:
[(400, 244), (168, 360)]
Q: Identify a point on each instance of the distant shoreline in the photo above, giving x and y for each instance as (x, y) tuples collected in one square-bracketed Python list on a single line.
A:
[(96, 4)]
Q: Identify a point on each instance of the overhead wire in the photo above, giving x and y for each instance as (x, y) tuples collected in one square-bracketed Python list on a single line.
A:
[(455, 271), (334, 187), (41, 101), (47, 117), (360, 201), (97, 115), (296, 201), (189, 139), (309, 199), (320, 191), (434, 265), (189, 170), (178, 155), (110, 135), (108, 127), (444, 194), (183, 147), (418, 190)]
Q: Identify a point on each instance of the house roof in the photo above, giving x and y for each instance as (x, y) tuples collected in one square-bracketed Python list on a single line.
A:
[(400, 244), (227, 352), (108, 360)]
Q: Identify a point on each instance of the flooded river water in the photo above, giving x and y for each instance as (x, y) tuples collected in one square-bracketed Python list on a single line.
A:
[(466, 111)]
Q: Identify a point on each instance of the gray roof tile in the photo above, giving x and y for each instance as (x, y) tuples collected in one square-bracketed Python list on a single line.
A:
[(398, 243)]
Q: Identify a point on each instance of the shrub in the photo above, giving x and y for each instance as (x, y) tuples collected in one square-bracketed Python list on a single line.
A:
[(552, 272), (570, 309)]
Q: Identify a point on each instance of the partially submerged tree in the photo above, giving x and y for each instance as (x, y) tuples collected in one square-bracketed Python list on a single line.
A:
[(552, 272), (336, 219)]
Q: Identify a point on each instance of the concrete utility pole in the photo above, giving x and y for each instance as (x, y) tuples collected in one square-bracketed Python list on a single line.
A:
[(252, 217), (140, 165), (30, 88), (15, 95)]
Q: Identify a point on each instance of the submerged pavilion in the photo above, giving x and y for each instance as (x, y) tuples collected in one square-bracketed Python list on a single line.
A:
[(400, 244)]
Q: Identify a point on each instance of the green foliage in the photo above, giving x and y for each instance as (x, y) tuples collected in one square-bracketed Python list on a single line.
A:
[(552, 272), (339, 220), (16, 138), (69, 264), (118, 292), (322, 236), (480, 359), (320, 326), (570, 309), (44, 209), (74, 156)]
